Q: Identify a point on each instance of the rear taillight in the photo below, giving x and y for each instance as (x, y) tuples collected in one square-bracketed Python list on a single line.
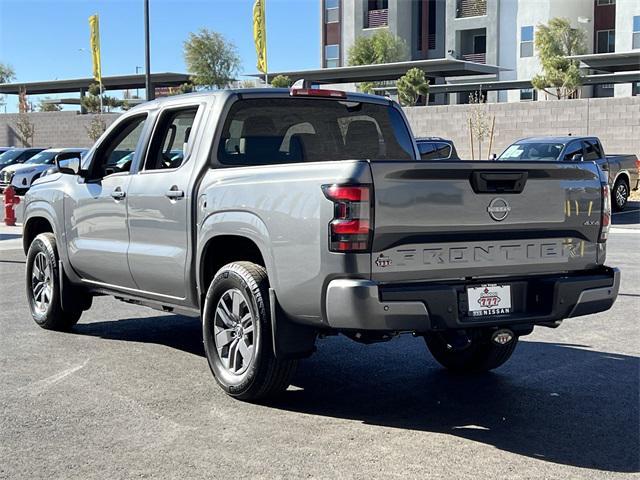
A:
[(605, 220), (350, 230)]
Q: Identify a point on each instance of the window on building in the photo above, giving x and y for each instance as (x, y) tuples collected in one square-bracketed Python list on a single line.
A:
[(528, 95), (526, 41), (635, 89), (377, 14), (605, 41), (605, 2), (636, 32), (331, 56), (332, 11)]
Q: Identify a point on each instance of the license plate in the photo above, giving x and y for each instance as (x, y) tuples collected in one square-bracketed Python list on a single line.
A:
[(487, 300)]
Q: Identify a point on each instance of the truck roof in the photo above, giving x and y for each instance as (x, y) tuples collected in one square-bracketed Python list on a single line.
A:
[(262, 92), (556, 139)]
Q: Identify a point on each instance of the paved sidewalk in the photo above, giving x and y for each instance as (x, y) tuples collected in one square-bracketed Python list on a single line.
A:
[(10, 237)]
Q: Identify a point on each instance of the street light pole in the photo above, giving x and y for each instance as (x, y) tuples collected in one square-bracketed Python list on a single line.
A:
[(147, 56)]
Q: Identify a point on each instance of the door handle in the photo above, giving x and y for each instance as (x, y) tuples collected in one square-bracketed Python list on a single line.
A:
[(118, 194), (174, 193)]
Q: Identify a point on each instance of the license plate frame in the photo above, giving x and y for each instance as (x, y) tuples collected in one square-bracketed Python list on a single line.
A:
[(489, 300)]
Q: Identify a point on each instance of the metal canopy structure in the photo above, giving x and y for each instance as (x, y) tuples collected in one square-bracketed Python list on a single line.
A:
[(118, 82), (622, 77), (610, 62), (439, 67)]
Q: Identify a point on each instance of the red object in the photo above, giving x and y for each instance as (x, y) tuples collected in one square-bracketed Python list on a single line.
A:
[(349, 193), (350, 229), (10, 201), (317, 92), (605, 221)]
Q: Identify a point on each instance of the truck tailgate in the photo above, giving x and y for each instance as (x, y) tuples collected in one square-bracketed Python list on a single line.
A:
[(445, 220)]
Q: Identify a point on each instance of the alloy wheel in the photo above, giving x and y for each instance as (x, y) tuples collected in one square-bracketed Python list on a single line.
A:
[(621, 194), (41, 283), (234, 332)]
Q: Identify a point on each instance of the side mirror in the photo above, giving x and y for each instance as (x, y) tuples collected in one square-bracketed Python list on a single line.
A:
[(68, 163)]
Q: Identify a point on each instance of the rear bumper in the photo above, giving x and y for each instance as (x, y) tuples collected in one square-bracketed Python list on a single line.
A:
[(367, 305)]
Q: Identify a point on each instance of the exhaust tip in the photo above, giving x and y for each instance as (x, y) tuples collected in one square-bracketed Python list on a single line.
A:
[(503, 336)]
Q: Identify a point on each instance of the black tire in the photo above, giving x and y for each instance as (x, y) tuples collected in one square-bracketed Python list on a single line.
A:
[(481, 355), (264, 375), (620, 195), (48, 314)]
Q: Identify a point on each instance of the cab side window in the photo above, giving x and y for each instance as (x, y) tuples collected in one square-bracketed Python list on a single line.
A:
[(592, 150), (169, 142), (573, 152), (117, 152)]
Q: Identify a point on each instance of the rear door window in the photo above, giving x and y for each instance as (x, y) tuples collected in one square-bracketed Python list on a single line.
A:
[(170, 140), (291, 130), (573, 152), (592, 150), (434, 150)]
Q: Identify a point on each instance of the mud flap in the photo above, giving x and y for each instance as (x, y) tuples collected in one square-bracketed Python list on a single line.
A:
[(69, 297), (290, 340)]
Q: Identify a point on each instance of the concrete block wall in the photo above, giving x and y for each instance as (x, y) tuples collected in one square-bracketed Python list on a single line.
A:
[(615, 120), (52, 129)]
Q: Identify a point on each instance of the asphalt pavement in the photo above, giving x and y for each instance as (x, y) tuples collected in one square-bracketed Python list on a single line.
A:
[(128, 394)]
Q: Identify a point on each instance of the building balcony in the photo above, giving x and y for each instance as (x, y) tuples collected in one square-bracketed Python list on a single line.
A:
[(377, 18), (475, 57), (471, 8)]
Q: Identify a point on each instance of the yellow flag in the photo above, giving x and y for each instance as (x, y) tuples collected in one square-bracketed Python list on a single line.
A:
[(260, 34), (95, 47)]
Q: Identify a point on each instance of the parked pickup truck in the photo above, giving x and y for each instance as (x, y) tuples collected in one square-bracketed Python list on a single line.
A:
[(622, 170), (296, 214)]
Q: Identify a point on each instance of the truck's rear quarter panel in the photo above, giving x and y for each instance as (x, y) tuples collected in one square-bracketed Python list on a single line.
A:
[(290, 209)]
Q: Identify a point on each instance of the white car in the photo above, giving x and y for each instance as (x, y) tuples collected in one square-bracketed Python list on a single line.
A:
[(22, 175)]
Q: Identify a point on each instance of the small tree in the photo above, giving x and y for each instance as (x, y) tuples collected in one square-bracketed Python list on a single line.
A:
[(382, 47), (45, 106), (560, 76), (411, 86), (212, 60), (26, 129), (7, 74), (184, 88), (96, 127), (281, 81), (478, 122)]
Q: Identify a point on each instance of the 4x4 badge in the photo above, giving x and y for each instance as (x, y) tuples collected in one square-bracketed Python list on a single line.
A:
[(383, 261)]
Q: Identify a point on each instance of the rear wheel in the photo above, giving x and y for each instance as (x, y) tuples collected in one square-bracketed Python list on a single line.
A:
[(237, 334), (43, 287), (481, 354), (620, 194)]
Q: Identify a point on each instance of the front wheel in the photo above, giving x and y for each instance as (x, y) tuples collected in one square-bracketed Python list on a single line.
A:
[(236, 331), (480, 355), (43, 286), (620, 195)]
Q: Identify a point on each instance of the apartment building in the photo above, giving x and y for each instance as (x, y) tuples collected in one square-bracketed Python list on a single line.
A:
[(494, 32)]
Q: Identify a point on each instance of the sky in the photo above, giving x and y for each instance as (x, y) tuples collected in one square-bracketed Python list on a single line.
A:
[(49, 39)]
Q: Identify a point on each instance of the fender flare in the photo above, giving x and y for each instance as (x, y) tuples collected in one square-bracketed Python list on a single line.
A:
[(238, 223)]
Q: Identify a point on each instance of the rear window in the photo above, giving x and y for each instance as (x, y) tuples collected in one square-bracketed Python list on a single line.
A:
[(291, 130), (434, 150), (532, 151)]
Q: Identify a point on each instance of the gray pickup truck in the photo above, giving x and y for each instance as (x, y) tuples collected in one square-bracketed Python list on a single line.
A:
[(621, 170), (290, 215)]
